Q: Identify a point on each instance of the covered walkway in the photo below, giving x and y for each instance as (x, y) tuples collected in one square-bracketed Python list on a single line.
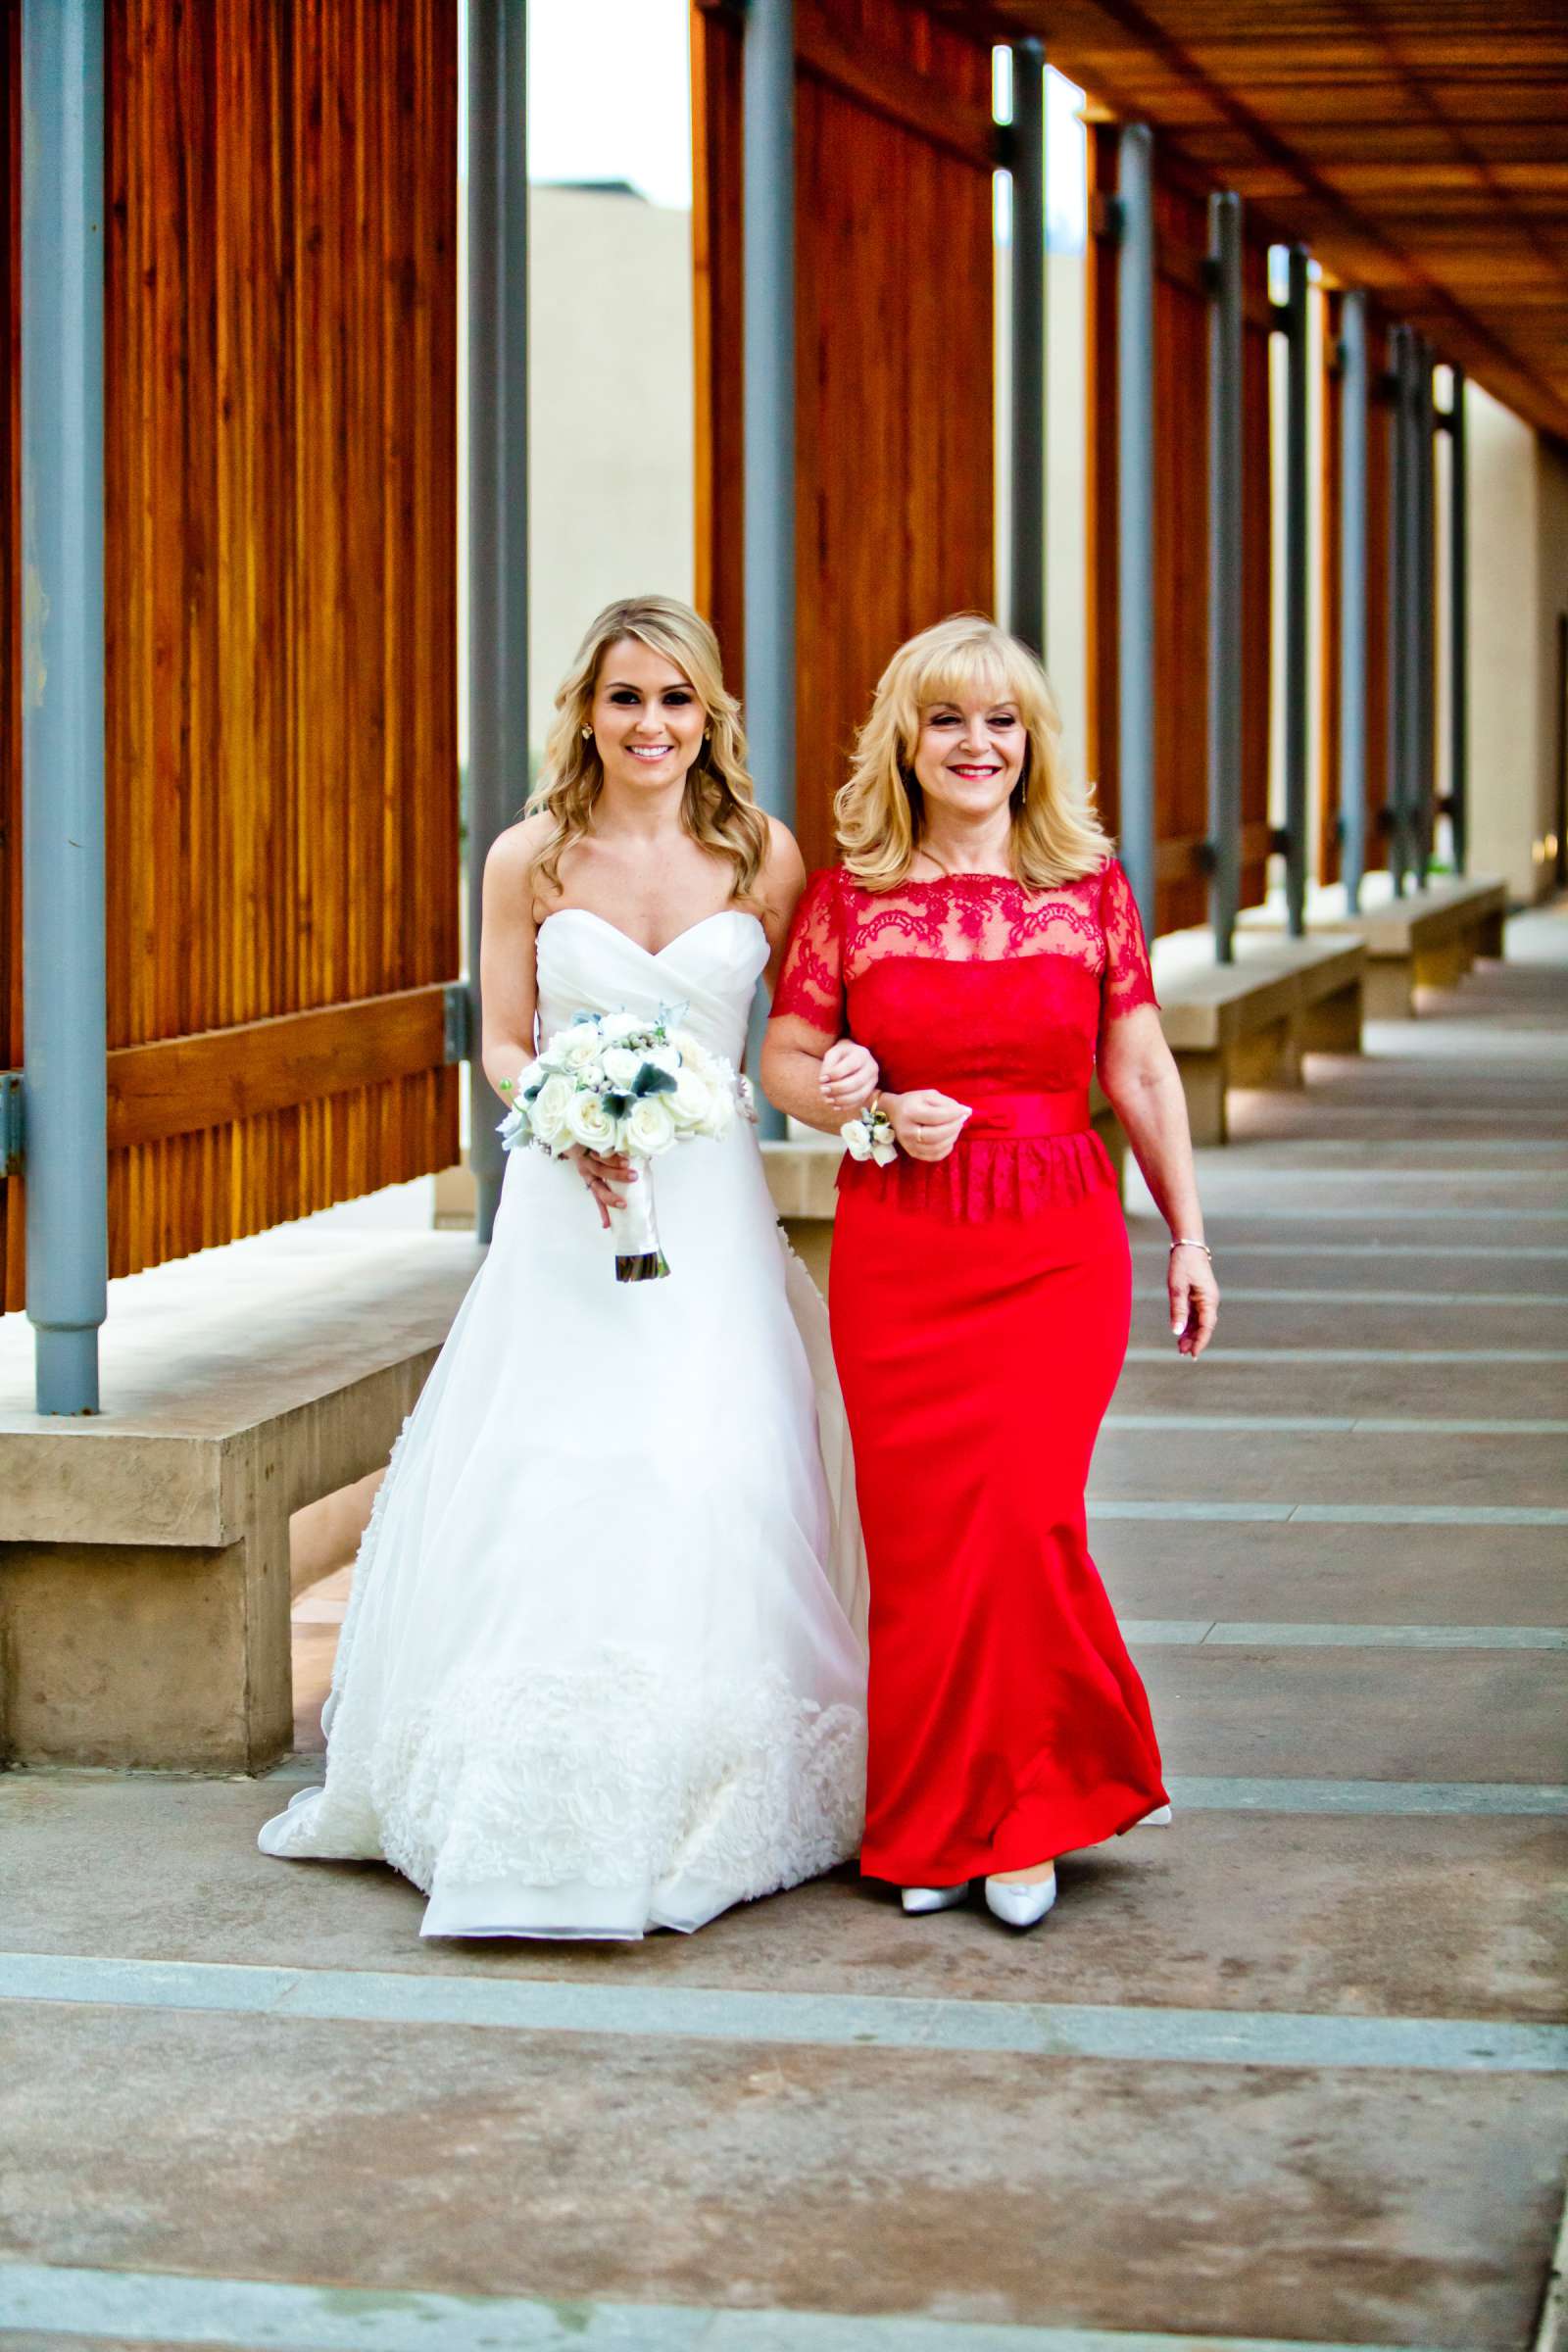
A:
[(1292, 2072)]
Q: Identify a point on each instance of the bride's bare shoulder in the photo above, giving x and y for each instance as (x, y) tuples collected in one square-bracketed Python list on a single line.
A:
[(515, 852)]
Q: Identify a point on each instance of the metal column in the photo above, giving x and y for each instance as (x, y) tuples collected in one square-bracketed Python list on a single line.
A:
[(1459, 627), (1225, 494), (1026, 607), (768, 88), (1135, 512), (1401, 607), (1423, 425), (1352, 595), (498, 499), (63, 693), (1296, 594)]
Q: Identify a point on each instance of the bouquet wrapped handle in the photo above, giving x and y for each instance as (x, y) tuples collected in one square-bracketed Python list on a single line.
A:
[(634, 1229)]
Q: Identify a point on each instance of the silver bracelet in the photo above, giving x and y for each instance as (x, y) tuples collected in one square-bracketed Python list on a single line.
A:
[(1183, 1241)]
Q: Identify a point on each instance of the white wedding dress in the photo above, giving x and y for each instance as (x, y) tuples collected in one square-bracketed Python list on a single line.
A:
[(603, 1667)]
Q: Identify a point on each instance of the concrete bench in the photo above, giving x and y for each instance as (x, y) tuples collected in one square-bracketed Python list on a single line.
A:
[(1250, 1022), (144, 1554), (1428, 938)]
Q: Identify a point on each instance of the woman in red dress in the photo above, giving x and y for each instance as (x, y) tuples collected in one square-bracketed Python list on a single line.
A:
[(955, 983)]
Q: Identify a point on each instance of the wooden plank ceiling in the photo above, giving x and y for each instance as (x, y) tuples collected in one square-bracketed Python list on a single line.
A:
[(1419, 147)]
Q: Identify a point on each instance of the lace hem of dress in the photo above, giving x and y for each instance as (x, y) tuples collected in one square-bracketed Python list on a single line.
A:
[(1008, 1176), (611, 1775)]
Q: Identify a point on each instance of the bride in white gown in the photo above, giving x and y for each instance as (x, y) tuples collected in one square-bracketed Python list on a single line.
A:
[(601, 1668)]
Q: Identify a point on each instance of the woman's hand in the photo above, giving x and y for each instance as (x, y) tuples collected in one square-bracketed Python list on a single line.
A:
[(925, 1124), (849, 1077), (1194, 1299), (602, 1172)]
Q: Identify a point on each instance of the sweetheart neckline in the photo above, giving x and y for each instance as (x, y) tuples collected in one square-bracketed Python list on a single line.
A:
[(653, 954)]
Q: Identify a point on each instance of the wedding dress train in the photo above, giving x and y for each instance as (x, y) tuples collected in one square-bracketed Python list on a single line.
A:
[(601, 1668)]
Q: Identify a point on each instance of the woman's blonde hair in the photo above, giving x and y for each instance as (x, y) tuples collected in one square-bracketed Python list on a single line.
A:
[(718, 808), (880, 812)]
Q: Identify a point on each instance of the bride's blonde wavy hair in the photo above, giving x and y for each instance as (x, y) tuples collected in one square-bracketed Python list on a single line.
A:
[(718, 808), (880, 812)]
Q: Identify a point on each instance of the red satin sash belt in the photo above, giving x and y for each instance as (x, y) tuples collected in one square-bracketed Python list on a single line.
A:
[(1018, 1117)]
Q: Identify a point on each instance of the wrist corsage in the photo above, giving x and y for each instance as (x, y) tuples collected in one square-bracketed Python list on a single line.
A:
[(870, 1136)]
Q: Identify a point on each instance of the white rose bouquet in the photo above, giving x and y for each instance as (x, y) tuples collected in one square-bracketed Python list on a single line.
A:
[(624, 1082)]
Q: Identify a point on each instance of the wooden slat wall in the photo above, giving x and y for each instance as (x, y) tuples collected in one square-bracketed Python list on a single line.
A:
[(281, 568), (1377, 575), (1181, 539), (1102, 581), (894, 378), (1257, 570), (11, 1193), (718, 310)]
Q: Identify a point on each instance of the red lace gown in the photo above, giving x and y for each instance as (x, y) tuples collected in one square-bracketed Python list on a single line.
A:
[(980, 1310)]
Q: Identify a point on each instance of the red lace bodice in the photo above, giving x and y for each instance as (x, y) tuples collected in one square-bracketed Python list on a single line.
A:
[(983, 989)]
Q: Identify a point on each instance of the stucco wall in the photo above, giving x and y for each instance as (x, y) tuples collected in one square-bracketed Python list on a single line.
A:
[(1551, 604), (1518, 521), (611, 459)]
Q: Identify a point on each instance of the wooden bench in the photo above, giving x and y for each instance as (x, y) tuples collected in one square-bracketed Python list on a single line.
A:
[(1248, 1023), (144, 1554), (1428, 938)]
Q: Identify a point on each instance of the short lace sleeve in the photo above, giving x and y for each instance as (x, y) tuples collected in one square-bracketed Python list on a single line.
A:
[(811, 987), (1128, 981)]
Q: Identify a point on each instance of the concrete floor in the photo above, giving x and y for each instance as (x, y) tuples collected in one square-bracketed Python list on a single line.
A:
[(1292, 2072)]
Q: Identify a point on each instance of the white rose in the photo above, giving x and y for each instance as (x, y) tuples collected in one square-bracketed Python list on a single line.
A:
[(664, 1058), (651, 1127), (547, 1113), (617, 1025), (535, 1075), (695, 1058), (583, 1048), (621, 1066), (589, 1123), (720, 1116), (692, 1098)]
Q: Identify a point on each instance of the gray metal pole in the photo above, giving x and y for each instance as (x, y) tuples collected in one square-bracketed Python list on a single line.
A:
[(1026, 609), (1225, 495), (1424, 429), (1296, 594), (1400, 607), (498, 499), (62, 694), (1458, 628), (767, 87), (1135, 512), (1409, 611), (1352, 595)]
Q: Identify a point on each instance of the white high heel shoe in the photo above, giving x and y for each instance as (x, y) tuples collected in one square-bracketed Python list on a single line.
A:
[(933, 1898), (1020, 1906), (1159, 1819)]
